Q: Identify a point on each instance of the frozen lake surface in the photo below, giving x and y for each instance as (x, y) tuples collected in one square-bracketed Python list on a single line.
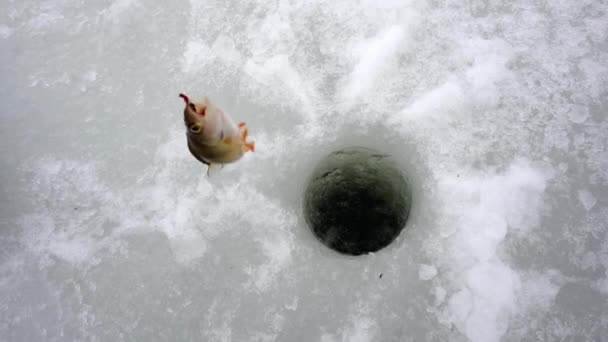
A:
[(111, 231)]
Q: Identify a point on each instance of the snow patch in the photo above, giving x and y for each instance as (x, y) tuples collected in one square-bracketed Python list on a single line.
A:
[(435, 102), (375, 55), (484, 208)]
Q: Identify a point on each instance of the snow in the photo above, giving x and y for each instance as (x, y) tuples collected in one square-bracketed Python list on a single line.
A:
[(110, 229)]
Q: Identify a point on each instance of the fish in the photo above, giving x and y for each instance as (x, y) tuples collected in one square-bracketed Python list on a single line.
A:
[(213, 137)]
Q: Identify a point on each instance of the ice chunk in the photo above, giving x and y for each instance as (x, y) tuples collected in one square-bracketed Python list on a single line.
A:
[(440, 294), (361, 330), (45, 20), (427, 272), (578, 114), (587, 199), (601, 285), (90, 76), (117, 8), (6, 31)]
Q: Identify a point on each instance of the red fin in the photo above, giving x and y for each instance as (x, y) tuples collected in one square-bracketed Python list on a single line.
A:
[(241, 124), (250, 147), (244, 136)]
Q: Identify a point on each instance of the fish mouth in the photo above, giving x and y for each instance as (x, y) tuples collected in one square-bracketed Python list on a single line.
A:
[(190, 104)]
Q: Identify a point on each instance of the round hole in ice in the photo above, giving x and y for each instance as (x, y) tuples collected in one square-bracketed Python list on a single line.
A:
[(357, 201)]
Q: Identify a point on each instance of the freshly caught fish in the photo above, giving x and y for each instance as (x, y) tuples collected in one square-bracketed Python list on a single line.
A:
[(213, 138)]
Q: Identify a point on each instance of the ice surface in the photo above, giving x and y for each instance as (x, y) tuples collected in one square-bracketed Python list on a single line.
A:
[(111, 231), (427, 272)]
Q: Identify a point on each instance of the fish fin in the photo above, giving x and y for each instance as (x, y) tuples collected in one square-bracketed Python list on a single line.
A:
[(250, 146), (242, 124), (213, 169), (245, 133)]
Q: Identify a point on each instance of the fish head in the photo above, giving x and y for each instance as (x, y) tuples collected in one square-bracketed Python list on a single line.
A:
[(195, 115)]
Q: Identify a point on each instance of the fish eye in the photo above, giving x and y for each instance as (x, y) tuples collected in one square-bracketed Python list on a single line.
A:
[(195, 128)]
